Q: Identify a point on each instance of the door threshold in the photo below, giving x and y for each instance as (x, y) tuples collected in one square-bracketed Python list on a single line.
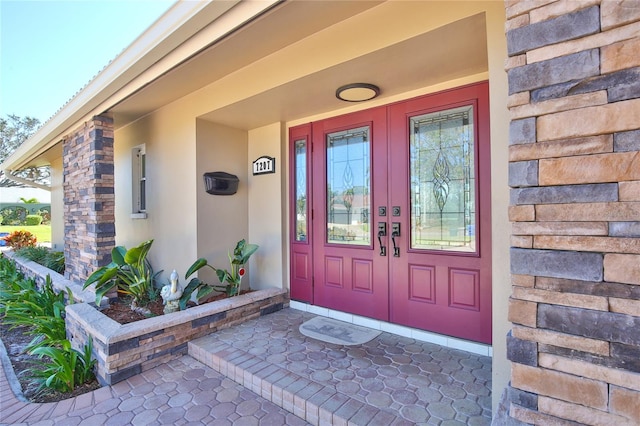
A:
[(400, 330)]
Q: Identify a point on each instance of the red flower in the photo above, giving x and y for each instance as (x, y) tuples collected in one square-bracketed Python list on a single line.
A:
[(241, 272)]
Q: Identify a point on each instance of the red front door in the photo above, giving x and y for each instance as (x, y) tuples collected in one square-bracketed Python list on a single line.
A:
[(400, 201)]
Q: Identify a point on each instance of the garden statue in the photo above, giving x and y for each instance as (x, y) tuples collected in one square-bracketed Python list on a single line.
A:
[(171, 294)]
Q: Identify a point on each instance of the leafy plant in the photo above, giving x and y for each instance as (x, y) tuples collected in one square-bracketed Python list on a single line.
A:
[(19, 239), (231, 279), (44, 256), (29, 201), (40, 310), (129, 272), (65, 367)]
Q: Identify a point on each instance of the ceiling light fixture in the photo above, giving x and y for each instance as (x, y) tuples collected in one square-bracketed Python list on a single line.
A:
[(357, 92)]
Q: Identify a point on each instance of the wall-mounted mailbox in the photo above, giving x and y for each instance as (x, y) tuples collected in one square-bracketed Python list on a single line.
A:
[(221, 183)]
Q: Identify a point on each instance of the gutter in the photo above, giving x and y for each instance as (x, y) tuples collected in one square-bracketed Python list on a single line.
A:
[(27, 182)]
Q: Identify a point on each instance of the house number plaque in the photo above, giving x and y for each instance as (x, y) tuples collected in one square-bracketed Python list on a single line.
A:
[(264, 165)]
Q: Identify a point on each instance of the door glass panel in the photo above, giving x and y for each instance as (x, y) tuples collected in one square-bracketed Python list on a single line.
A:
[(348, 187), (301, 189), (443, 181)]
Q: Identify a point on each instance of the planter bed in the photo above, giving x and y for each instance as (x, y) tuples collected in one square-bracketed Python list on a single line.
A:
[(124, 350)]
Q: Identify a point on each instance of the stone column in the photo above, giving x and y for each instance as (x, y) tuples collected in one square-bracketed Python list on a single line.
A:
[(574, 85), (89, 222)]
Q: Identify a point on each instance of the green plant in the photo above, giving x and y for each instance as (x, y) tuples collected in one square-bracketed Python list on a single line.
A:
[(40, 310), (1, 218), (44, 256), (19, 239), (65, 367), (231, 279), (29, 201), (33, 220), (129, 272)]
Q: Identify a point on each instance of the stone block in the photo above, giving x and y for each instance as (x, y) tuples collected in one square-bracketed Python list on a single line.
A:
[(559, 104), (624, 306), (517, 22), (559, 8), (605, 289), (629, 191), (626, 364), (578, 413), (588, 243), (561, 148), (523, 173), (564, 193), (522, 351), (622, 268), (625, 403), (557, 264), (560, 228), (564, 27), (522, 398), (589, 370), (555, 384), (611, 167), (610, 118), (621, 211), (523, 280), (518, 99), (522, 131), (611, 327), (518, 8), (623, 92), (522, 312), (624, 229), (546, 296), (522, 213), (573, 343), (619, 12), (521, 241), (621, 55), (628, 357), (514, 62), (627, 141), (563, 69)]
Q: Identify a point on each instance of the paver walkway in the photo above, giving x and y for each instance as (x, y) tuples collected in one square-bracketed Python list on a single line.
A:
[(390, 380)]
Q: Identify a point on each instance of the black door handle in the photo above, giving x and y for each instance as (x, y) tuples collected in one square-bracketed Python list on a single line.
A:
[(395, 232), (382, 232)]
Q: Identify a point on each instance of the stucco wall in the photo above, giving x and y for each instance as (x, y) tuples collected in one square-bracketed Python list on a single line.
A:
[(172, 182), (222, 219)]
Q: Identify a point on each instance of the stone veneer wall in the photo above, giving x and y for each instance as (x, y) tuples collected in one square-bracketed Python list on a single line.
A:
[(574, 85), (89, 200)]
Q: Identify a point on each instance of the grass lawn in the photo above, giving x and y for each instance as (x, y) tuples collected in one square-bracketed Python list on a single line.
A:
[(42, 232)]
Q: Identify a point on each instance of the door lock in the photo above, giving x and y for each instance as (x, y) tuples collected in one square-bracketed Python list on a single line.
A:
[(395, 232)]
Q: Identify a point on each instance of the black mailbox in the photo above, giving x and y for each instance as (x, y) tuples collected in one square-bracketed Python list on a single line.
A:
[(221, 183)]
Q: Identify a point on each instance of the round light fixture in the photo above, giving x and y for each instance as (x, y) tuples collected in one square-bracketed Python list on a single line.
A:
[(357, 92)]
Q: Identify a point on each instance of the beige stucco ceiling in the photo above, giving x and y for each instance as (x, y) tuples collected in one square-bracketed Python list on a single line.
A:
[(443, 53)]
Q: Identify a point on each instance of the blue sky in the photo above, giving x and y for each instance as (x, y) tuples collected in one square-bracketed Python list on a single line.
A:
[(50, 49)]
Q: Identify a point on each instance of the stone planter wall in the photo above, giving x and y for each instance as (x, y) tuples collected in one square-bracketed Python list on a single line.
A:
[(574, 85), (126, 350)]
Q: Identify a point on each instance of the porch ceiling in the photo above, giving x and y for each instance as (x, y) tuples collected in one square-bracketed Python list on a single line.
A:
[(448, 52)]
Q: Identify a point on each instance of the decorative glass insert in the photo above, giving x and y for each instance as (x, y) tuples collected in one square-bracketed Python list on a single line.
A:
[(443, 181), (349, 187), (301, 189)]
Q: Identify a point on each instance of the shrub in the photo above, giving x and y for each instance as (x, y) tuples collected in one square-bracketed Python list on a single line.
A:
[(33, 220), (14, 216), (1, 218), (44, 256), (46, 216), (19, 239)]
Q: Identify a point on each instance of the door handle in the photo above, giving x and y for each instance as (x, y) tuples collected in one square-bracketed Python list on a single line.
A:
[(382, 232), (395, 232)]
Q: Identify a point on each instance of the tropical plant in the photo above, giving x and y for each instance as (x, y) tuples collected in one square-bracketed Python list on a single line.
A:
[(231, 279), (33, 220), (44, 256), (129, 272), (19, 239), (65, 367), (40, 310), (29, 201)]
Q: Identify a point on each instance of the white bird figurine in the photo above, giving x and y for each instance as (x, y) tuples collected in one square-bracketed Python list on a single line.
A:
[(171, 294)]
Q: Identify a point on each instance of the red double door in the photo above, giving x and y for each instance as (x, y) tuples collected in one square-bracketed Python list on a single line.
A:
[(391, 215)]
